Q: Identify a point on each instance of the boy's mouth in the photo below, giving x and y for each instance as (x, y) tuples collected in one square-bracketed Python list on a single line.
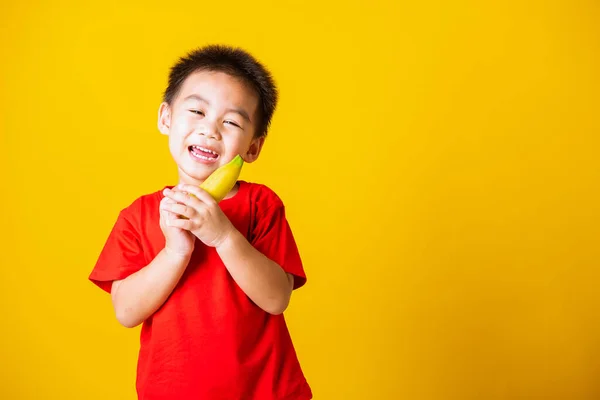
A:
[(202, 153)]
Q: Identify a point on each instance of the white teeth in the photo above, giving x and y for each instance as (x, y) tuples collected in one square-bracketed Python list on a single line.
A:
[(202, 157), (205, 150)]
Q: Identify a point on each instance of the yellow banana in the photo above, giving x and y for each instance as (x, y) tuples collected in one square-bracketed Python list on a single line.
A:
[(223, 179)]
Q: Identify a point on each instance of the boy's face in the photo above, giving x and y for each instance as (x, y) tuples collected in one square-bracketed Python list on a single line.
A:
[(212, 119)]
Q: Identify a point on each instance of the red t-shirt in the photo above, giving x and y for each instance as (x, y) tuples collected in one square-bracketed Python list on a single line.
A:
[(209, 341)]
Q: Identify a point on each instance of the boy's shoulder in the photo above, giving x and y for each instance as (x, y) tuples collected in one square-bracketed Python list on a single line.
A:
[(143, 204), (261, 194)]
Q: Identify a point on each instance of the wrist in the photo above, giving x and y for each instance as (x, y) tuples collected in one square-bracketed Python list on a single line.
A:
[(228, 239), (176, 256)]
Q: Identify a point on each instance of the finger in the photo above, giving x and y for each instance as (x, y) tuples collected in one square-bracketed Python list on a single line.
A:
[(199, 193), (180, 223), (166, 200), (179, 209), (183, 198), (169, 193), (162, 212), (167, 215)]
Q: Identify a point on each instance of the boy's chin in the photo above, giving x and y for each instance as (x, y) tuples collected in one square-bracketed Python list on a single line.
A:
[(195, 175)]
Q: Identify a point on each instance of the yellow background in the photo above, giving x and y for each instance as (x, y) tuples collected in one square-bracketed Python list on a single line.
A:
[(438, 160)]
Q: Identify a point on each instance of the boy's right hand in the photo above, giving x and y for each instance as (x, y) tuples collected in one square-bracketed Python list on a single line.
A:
[(177, 241)]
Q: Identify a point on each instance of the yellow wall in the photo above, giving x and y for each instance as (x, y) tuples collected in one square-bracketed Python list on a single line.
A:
[(443, 186)]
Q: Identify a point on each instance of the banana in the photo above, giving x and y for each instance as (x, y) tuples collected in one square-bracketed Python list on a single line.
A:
[(223, 179)]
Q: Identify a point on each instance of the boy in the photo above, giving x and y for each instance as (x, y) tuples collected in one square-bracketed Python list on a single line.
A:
[(209, 281)]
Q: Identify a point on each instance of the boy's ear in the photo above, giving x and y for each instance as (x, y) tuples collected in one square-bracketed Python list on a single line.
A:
[(164, 118), (254, 149)]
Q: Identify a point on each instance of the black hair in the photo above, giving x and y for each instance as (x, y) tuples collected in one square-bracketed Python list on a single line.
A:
[(235, 62)]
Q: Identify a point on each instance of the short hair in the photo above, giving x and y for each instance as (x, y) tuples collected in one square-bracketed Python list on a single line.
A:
[(232, 61)]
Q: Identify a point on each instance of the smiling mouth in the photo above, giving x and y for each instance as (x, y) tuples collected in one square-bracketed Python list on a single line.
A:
[(203, 153)]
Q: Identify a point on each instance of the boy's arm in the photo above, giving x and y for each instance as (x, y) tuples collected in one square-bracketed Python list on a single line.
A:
[(139, 295), (263, 280)]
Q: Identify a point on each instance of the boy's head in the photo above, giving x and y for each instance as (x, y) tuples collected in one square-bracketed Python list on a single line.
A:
[(236, 63), (219, 103)]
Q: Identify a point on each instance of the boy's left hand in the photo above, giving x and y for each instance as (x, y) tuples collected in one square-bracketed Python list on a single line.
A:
[(205, 219)]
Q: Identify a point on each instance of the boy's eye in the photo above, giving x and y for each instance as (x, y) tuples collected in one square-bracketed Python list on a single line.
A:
[(197, 112), (232, 123)]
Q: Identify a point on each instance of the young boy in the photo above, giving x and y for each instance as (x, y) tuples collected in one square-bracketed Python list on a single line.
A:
[(209, 281)]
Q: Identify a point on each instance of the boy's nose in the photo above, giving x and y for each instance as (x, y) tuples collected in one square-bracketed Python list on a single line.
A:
[(210, 131)]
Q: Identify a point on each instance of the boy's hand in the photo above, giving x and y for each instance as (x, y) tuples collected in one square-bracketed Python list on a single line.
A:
[(177, 241), (205, 219)]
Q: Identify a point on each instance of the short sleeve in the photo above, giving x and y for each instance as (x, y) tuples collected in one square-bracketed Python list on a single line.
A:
[(121, 255), (273, 237)]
